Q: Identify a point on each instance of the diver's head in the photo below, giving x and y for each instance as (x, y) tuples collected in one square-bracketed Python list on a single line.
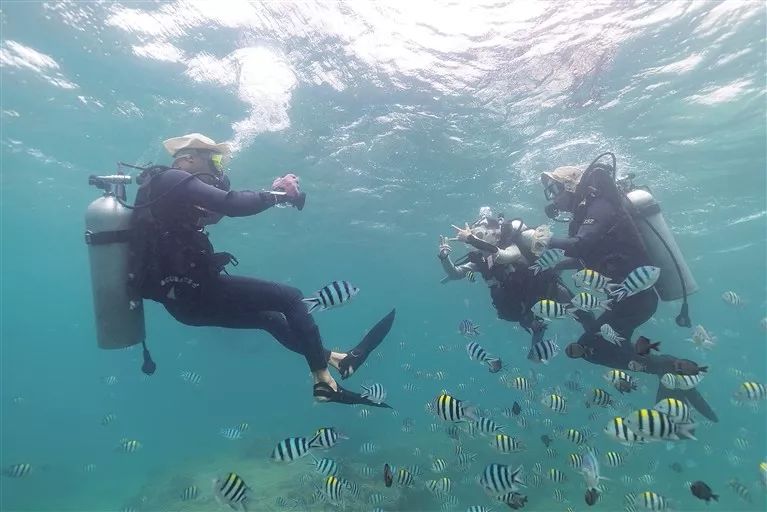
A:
[(559, 187), (489, 232), (197, 153)]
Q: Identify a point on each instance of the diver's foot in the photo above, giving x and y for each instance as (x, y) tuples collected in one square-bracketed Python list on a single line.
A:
[(357, 356), (335, 359), (324, 392), (323, 379)]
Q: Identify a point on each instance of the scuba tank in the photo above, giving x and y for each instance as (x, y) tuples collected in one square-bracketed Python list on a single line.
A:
[(119, 313), (676, 280)]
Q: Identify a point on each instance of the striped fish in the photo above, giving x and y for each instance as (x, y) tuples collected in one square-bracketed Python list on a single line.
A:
[(550, 310), (377, 499), (326, 437), (191, 377), (601, 398), (655, 425), (108, 419), (618, 377), (232, 490), (614, 459), (440, 486), (439, 465), (521, 383), (331, 295), (465, 459), (654, 501), (506, 444), (452, 409), (730, 297), (375, 393), (741, 490), (590, 279), (677, 410), (555, 402), (543, 351), (487, 426), (575, 436), (575, 460), (500, 479), (231, 433), (478, 508), (638, 280), (609, 334), (514, 500), (620, 431), (404, 477), (548, 259), (683, 382), (18, 470), (352, 487), (587, 302), (556, 476), (190, 493), (752, 391), (128, 446), (477, 353), (333, 488), (468, 329), (291, 449), (368, 448), (325, 466)]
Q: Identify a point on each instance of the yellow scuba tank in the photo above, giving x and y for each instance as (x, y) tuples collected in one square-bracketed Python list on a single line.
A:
[(676, 280), (118, 311)]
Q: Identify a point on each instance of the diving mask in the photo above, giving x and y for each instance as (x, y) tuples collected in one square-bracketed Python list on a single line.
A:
[(552, 189), (217, 159)]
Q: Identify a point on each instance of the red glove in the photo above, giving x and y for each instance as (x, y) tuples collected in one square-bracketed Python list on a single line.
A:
[(287, 184)]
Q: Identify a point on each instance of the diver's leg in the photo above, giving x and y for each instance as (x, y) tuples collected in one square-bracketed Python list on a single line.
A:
[(240, 302)]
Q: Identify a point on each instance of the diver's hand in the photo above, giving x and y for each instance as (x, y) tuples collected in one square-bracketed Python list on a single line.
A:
[(287, 184), (444, 247), (461, 234)]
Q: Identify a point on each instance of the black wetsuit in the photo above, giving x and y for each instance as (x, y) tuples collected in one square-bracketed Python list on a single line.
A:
[(602, 235), (182, 271)]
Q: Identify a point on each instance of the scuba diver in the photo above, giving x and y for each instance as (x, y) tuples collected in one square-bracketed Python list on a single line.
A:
[(173, 262), (503, 256), (603, 236)]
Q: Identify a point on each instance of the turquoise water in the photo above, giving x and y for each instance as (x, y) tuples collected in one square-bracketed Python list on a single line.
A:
[(401, 119)]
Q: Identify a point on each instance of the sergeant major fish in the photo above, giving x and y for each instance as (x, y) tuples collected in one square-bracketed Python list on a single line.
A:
[(477, 353), (638, 280), (547, 260), (334, 294)]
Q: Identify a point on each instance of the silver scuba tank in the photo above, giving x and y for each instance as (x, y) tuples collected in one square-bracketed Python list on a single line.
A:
[(675, 280), (119, 315)]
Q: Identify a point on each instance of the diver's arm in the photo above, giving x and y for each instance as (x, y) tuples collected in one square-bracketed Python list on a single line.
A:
[(455, 272), (481, 244), (600, 217), (232, 203)]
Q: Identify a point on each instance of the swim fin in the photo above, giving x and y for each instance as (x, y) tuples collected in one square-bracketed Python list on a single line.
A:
[(691, 397), (343, 396), (356, 356)]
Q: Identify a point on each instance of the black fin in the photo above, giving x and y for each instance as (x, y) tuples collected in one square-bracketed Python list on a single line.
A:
[(357, 356)]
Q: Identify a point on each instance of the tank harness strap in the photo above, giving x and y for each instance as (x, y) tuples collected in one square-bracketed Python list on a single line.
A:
[(108, 237)]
